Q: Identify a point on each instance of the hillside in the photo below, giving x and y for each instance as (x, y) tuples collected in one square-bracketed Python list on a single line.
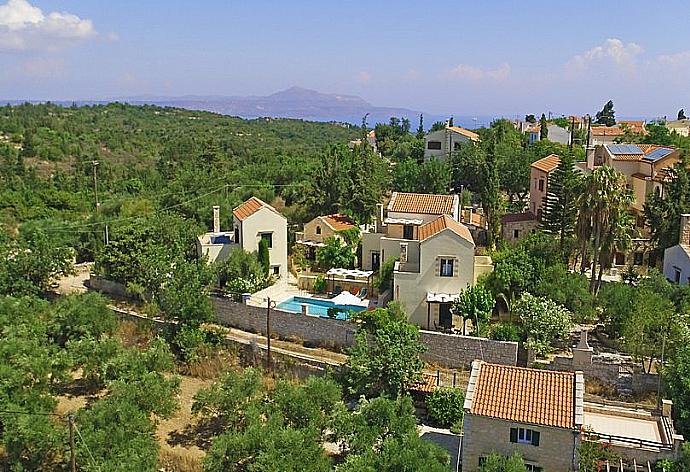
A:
[(149, 158)]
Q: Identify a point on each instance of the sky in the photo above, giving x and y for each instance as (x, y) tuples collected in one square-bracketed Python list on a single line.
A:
[(480, 57)]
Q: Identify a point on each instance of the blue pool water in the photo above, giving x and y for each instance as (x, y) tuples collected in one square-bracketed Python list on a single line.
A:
[(317, 307)]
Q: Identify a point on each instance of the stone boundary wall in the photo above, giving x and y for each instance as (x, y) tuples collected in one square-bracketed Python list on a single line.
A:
[(450, 351)]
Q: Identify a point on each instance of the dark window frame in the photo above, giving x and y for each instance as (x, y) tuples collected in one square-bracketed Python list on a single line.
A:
[(447, 262), (268, 236)]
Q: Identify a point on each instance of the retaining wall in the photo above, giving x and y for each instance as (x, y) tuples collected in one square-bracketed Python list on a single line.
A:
[(451, 351)]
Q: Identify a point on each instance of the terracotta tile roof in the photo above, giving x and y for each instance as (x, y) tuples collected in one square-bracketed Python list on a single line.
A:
[(647, 148), (548, 163), (607, 131), (534, 396), (250, 207), (465, 132), (517, 217), (628, 157), (338, 222), (423, 203), (441, 223), (427, 384), (634, 126)]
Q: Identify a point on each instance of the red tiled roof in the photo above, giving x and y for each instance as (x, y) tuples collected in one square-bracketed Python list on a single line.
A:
[(634, 126), (534, 396), (250, 207), (338, 222), (441, 223), (607, 131), (517, 217), (423, 203), (427, 384), (628, 157), (548, 163), (465, 132)]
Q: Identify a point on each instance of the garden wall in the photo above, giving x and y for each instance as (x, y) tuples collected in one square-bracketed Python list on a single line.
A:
[(451, 351)]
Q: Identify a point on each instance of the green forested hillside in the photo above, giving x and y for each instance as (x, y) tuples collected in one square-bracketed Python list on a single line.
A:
[(150, 158)]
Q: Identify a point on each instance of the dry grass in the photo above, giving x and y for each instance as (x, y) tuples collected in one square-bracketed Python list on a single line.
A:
[(135, 334), (212, 366), (170, 460)]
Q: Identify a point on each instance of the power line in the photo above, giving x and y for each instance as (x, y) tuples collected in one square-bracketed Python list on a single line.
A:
[(86, 446)]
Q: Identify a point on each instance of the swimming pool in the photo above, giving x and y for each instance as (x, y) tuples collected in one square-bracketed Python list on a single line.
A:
[(317, 307)]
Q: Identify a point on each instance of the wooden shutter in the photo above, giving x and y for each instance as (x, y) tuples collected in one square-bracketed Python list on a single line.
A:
[(456, 267), (437, 266), (513, 435), (535, 438)]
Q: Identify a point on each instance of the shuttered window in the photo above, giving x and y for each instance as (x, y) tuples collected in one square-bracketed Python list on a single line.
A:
[(524, 436)]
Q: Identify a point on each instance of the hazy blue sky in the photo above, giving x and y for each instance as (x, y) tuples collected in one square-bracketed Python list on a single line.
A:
[(460, 57)]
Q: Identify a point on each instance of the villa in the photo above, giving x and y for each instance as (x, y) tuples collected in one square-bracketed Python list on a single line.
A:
[(434, 252), (253, 221), (440, 144), (316, 231), (543, 416)]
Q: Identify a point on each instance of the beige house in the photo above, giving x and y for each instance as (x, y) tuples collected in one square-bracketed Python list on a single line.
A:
[(435, 254), (539, 182), (317, 230), (516, 226), (643, 165), (681, 127), (253, 221), (542, 415), (371, 141), (605, 135), (439, 144)]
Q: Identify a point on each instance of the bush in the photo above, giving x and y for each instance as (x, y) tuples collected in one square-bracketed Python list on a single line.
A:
[(320, 284), (506, 332), (445, 406)]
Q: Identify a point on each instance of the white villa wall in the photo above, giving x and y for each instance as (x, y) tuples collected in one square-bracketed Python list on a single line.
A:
[(676, 256), (410, 288), (447, 138), (266, 221)]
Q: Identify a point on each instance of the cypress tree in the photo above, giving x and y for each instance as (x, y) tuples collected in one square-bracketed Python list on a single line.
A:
[(264, 257), (559, 208), (543, 127)]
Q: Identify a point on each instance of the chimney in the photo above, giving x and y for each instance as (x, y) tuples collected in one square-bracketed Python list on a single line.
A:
[(216, 219), (684, 237), (666, 406)]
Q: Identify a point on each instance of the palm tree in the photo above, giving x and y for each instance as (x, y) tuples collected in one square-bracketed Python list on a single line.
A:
[(602, 223)]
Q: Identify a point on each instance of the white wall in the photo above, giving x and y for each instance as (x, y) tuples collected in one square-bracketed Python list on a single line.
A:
[(266, 221), (676, 257), (411, 288)]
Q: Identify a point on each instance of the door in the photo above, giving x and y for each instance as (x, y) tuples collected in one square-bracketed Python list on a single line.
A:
[(375, 260), (445, 318)]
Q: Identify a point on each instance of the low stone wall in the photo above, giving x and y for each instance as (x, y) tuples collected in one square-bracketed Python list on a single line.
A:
[(450, 351), (455, 351), (328, 333)]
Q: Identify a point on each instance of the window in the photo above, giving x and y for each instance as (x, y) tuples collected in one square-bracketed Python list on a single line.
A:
[(408, 231), (435, 145), (446, 267), (524, 436), (533, 468), (516, 233), (541, 185), (276, 270), (456, 146), (638, 258), (676, 278), (268, 237), (318, 230), (237, 235)]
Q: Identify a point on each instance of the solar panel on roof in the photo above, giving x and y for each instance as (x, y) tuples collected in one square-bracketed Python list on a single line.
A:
[(625, 149), (657, 154)]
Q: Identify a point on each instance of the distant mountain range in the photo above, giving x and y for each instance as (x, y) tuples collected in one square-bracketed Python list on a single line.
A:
[(295, 102)]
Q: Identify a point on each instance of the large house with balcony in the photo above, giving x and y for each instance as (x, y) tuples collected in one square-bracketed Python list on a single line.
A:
[(316, 231), (434, 251), (253, 221), (543, 416), (440, 144)]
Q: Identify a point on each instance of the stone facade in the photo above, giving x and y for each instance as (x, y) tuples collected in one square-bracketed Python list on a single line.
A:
[(484, 435), (455, 351)]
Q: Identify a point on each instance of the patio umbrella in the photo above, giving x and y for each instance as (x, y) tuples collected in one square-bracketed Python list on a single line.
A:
[(346, 298)]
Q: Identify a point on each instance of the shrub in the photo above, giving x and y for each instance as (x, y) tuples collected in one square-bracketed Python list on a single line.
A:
[(385, 277), (320, 284), (506, 332), (445, 406)]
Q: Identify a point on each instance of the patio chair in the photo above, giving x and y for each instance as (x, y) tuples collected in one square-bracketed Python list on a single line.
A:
[(363, 294), (355, 292)]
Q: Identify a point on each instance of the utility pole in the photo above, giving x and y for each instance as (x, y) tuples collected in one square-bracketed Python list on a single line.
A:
[(572, 133), (95, 183), (268, 335), (72, 450)]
